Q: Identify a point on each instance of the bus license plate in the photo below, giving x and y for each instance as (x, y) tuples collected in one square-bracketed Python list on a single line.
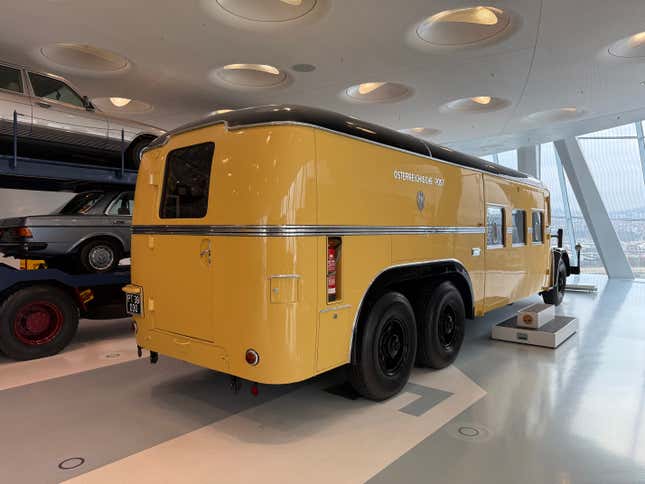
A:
[(134, 304)]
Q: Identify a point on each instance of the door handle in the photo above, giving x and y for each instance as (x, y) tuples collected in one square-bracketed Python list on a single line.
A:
[(44, 105), (205, 251)]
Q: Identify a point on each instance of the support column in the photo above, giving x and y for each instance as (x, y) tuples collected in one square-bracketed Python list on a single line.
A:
[(527, 161), (571, 235), (594, 211)]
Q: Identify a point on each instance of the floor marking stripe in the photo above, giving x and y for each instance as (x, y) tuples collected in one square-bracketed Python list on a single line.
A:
[(75, 359), (307, 435)]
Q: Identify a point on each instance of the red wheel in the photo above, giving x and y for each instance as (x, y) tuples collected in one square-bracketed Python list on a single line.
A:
[(38, 323)]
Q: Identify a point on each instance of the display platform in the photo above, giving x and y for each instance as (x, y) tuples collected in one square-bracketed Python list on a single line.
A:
[(550, 335)]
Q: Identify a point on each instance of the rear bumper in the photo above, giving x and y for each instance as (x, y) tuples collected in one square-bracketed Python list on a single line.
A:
[(275, 368), (22, 249)]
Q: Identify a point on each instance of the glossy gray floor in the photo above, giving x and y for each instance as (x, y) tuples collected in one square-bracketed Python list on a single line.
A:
[(571, 415)]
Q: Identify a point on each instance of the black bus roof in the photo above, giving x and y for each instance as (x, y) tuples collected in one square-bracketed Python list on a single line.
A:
[(339, 123)]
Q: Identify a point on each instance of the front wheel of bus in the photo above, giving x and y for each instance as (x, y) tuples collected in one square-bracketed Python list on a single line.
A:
[(386, 348), (555, 295)]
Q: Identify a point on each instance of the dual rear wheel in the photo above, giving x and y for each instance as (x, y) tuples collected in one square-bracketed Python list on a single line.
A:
[(395, 334)]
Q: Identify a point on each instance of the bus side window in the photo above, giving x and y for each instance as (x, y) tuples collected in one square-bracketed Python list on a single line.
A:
[(537, 225), (519, 227), (495, 227)]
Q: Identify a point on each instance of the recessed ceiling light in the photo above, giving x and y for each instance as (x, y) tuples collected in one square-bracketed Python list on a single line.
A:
[(249, 76), (262, 11), (464, 26), (377, 92), (368, 87), (629, 47), (472, 15), (133, 106), (120, 102), (477, 104), (556, 115), (482, 99), (422, 132), (84, 58), (254, 67)]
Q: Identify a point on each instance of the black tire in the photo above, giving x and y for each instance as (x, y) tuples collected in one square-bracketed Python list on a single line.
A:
[(100, 255), (386, 347), (37, 321), (556, 294), (441, 322), (135, 151)]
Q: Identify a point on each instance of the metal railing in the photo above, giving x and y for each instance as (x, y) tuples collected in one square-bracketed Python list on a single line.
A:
[(14, 160)]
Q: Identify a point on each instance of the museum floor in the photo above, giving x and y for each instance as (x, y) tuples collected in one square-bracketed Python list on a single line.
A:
[(504, 413)]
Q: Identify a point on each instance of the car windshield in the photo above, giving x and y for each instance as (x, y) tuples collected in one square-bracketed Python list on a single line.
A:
[(81, 203)]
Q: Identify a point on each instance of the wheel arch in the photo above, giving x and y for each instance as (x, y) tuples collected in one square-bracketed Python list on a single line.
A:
[(46, 283), (98, 236), (405, 278)]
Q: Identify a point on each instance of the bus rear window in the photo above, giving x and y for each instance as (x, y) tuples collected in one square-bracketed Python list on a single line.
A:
[(186, 182)]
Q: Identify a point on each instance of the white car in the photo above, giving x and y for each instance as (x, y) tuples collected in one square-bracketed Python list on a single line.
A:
[(51, 112)]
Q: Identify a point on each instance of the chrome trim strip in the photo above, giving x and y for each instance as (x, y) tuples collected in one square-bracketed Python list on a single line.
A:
[(299, 230), (285, 276), (335, 308)]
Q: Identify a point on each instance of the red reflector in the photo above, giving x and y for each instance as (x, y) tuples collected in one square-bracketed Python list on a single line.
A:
[(252, 357)]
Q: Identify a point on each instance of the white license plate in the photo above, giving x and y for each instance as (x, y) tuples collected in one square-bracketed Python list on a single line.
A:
[(134, 304)]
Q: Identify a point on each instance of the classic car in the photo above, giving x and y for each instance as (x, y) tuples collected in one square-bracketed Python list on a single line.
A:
[(90, 233), (51, 112)]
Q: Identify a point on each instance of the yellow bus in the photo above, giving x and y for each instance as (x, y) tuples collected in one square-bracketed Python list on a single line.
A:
[(279, 242)]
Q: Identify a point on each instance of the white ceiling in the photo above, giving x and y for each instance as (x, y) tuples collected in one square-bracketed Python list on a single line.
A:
[(554, 58)]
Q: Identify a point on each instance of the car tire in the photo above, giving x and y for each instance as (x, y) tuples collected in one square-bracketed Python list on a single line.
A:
[(555, 295), (135, 152), (441, 322), (37, 321), (386, 348), (100, 255)]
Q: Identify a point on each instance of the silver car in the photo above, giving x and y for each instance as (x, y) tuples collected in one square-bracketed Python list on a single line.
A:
[(90, 233), (50, 110)]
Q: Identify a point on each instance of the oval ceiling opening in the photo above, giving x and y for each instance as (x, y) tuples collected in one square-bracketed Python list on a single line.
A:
[(268, 10), (464, 26), (475, 104), (84, 57), (249, 76), (377, 92)]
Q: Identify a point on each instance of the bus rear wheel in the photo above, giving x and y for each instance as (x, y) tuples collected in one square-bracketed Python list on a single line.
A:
[(441, 317), (386, 348)]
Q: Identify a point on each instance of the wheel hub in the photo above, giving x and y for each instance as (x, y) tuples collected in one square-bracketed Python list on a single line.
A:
[(447, 327), (392, 349), (101, 257), (38, 323)]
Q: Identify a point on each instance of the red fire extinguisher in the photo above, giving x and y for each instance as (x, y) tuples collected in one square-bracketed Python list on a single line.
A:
[(332, 255)]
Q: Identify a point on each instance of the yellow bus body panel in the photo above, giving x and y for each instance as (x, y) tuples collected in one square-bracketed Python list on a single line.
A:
[(269, 293)]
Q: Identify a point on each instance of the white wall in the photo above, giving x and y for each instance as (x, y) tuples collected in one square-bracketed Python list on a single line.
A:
[(17, 203)]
